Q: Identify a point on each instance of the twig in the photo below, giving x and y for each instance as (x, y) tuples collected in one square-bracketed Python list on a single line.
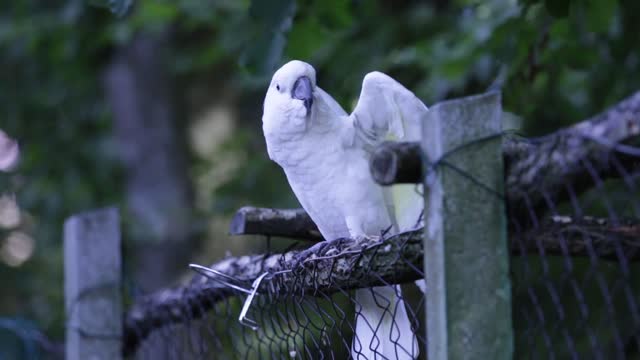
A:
[(292, 223)]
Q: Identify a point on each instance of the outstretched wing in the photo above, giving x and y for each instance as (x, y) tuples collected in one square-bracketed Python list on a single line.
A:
[(387, 111)]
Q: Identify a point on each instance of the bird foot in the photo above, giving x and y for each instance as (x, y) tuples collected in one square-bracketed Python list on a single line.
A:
[(359, 239)]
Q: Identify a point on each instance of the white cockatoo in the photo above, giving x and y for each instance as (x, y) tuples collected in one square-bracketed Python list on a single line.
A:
[(325, 154)]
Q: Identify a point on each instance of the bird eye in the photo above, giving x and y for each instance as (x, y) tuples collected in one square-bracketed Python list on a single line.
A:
[(277, 87)]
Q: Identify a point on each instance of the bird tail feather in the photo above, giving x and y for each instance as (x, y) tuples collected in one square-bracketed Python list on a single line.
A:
[(383, 329)]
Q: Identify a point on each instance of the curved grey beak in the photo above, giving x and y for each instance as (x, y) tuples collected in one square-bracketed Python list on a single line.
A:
[(302, 91)]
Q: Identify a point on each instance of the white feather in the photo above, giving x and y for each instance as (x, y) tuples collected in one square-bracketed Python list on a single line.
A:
[(325, 155)]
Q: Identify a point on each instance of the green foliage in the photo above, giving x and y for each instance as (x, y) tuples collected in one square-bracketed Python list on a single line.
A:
[(52, 104), (118, 7), (270, 23), (563, 61)]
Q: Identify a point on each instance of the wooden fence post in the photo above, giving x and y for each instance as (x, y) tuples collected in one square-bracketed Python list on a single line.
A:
[(466, 254), (92, 272)]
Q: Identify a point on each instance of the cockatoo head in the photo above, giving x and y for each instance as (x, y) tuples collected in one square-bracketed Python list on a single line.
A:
[(288, 105)]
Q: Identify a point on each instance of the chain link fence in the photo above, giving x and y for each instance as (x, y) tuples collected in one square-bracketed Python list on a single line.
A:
[(573, 205), (304, 305), (567, 306)]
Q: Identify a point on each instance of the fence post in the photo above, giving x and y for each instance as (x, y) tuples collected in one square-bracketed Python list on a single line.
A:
[(466, 255), (92, 274)]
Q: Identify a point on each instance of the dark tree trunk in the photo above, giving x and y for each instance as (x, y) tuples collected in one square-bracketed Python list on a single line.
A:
[(158, 192)]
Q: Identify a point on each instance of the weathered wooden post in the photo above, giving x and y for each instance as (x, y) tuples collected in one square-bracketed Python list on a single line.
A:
[(466, 254), (92, 274)]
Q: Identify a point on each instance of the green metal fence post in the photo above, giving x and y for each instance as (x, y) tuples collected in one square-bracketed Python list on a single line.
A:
[(466, 255)]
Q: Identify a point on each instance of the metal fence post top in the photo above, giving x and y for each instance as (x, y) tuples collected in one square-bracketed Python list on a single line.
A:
[(92, 281)]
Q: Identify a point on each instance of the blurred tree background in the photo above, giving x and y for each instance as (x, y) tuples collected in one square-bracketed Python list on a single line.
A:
[(155, 106)]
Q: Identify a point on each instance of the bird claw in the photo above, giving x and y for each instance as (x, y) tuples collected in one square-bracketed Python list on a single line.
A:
[(359, 239)]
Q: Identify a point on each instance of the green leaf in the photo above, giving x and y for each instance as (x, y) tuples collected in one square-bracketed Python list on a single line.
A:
[(118, 7), (557, 8), (265, 48), (599, 14), (334, 12), (559, 29), (306, 38), (264, 53), (272, 14), (158, 13)]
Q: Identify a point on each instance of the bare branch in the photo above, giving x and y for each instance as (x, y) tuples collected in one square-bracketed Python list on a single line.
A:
[(292, 223), (396, 163), (569, 157), (544, 165), (390, 162), (584, 237)]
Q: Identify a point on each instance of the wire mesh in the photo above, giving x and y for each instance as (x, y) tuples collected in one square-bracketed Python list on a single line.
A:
[(293, 318), (575, 286), (567, 306)]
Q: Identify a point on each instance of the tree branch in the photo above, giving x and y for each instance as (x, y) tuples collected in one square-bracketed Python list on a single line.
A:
[(573, 157), (293, 223), (397, 163), (583, 237), (346, 264), (543, 166)]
